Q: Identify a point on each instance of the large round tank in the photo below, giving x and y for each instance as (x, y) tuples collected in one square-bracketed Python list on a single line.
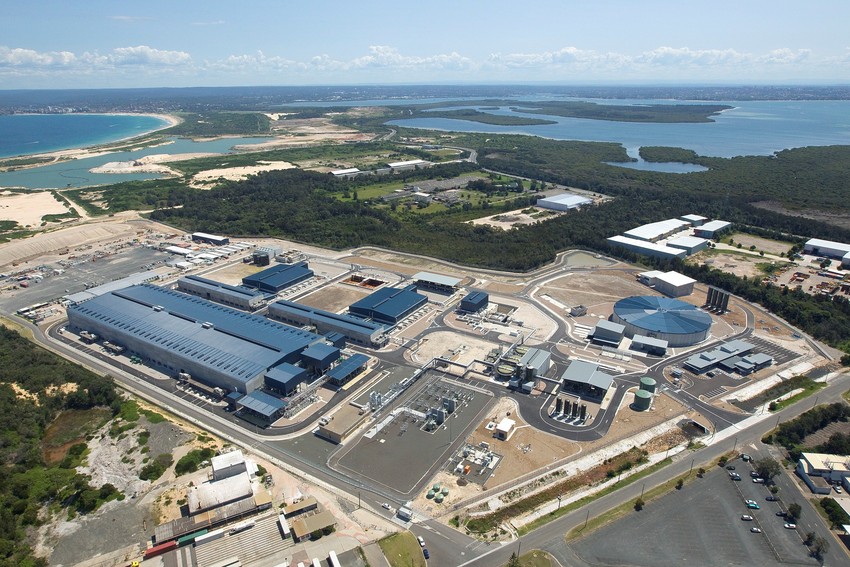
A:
[(521, 350), (505, 371), (643, 400), (648, 384), (439, 498), (445, 491), (430, 495), (672, 320)]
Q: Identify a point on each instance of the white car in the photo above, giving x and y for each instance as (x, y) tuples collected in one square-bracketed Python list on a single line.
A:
[(789, 526), (758, 480), (421, 541), (748, 501), (385, 506), (838, 489), (747, 518), (755, 530)]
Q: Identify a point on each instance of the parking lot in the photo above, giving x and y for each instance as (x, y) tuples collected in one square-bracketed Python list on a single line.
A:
[(700, 525), (780, 355)]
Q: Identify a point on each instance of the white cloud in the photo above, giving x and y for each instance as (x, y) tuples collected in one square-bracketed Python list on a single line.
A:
[(18, 57), (144, 55)]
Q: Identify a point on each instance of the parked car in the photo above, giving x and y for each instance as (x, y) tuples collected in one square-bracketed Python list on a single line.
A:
[(745, 457), (385, 506), (425, 553), (730, 467), (755, 530), (771, 498), (753, 506), (754, 474), (838, 489), (421, 541), (781, 513), (749, 501), (758, 480), (747, 518), (790, 526)]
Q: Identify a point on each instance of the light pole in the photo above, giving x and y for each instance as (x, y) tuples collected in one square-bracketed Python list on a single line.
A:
[(641, 490), (692, 467), (735, 444), (559, 503)]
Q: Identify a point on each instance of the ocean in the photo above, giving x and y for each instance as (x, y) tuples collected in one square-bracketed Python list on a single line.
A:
[(22, 134)]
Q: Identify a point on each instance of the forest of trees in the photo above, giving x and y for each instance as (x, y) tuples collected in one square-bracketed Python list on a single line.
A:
[(27, 483)]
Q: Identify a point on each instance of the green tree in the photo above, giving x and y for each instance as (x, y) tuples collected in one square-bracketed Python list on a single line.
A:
[(767, 468), (794, 511), (639, 503), (514, 560), (820, 547)]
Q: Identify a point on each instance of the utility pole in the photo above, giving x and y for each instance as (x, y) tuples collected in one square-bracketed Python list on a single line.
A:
[(735, 444), (559, 503), (641, 490), (586, 518), (692, 467)]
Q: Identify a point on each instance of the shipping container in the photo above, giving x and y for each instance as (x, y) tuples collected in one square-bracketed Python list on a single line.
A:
[(160, 549), (190, 538)]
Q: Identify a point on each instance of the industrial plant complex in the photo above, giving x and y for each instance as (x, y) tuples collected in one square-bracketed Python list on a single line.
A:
[(467, 378)]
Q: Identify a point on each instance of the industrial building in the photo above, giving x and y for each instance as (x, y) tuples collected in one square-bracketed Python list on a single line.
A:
[(563, 202), (347, 369), (278, 277), (712, 229), (342, 424), (655, 231), (408, 165), (690, 244), (285, 378), (262, 405), (389, 305), (705, 361), (97, 291), (436, 282), (319, 357), (694, 220), (829, 249), (475, 301), (208, 495), (231, 295), (584, 379), (607, 333), (649, 345), (355, 329), (672, 320), (647, 248), (180, 334), (228, 464), (671, 284), (210, 239), (818, 470)]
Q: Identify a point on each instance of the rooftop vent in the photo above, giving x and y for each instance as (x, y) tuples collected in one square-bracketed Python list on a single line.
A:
[(206, 325)]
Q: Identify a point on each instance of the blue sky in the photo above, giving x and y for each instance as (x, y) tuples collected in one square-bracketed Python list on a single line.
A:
[(154, 43)]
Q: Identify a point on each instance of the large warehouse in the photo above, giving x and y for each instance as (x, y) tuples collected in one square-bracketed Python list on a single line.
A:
[(563, 202), (671, 283), (647, 248), (389, 304), (677, 322), (279, 277), (177, 333)]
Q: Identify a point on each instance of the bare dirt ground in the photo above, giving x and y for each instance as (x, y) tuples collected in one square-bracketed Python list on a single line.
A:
[(589, 289), (335, 297), (27, 209), (233, 273), (739, 264), (508, 220), (45, 244), (463, 349), (306, 131), (210, 177)]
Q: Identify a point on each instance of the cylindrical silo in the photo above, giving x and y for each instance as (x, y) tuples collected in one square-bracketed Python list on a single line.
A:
[(643, 400), (648, 384), (583, 414), (559, 405), (567, 406)]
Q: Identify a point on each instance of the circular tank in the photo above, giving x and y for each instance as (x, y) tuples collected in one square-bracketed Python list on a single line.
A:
[(436, 487), (438, 498), (430, 494), (643, 400), (521, 350), (672, 320), (445, 491), (648, 384), (505, 371)]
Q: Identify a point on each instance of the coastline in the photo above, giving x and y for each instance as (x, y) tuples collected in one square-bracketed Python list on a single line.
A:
[(93, 150)]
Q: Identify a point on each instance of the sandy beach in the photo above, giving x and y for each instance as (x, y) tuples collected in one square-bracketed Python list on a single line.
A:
[(148, 164), (102, 149)]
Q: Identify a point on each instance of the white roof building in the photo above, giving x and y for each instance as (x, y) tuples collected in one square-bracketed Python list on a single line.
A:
[(228, 464), (209, 495), (657, 230), (505, 428), (647, 248), (563, 202)]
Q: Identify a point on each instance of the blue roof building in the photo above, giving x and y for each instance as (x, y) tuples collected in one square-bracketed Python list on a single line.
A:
[(345, 370), (320, 356), (672, 320), (389, 304), (279, 277), (475, 301), (177, 333), (285, 378), (262, 404)]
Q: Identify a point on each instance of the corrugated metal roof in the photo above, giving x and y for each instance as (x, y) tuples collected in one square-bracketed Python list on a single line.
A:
[(262, 403), (346, 322), (662, 315), (389, 303), (437, 279), (649, 341), (322, 353), (714, 225), (587, 373), (225, 289), (97, 291), (567, 199), (650, 247), (279, 276), (285, 374), (242, 325), (342, 370), (655, 230)]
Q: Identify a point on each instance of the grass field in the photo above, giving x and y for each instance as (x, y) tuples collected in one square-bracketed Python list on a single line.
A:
[(402, 550)]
